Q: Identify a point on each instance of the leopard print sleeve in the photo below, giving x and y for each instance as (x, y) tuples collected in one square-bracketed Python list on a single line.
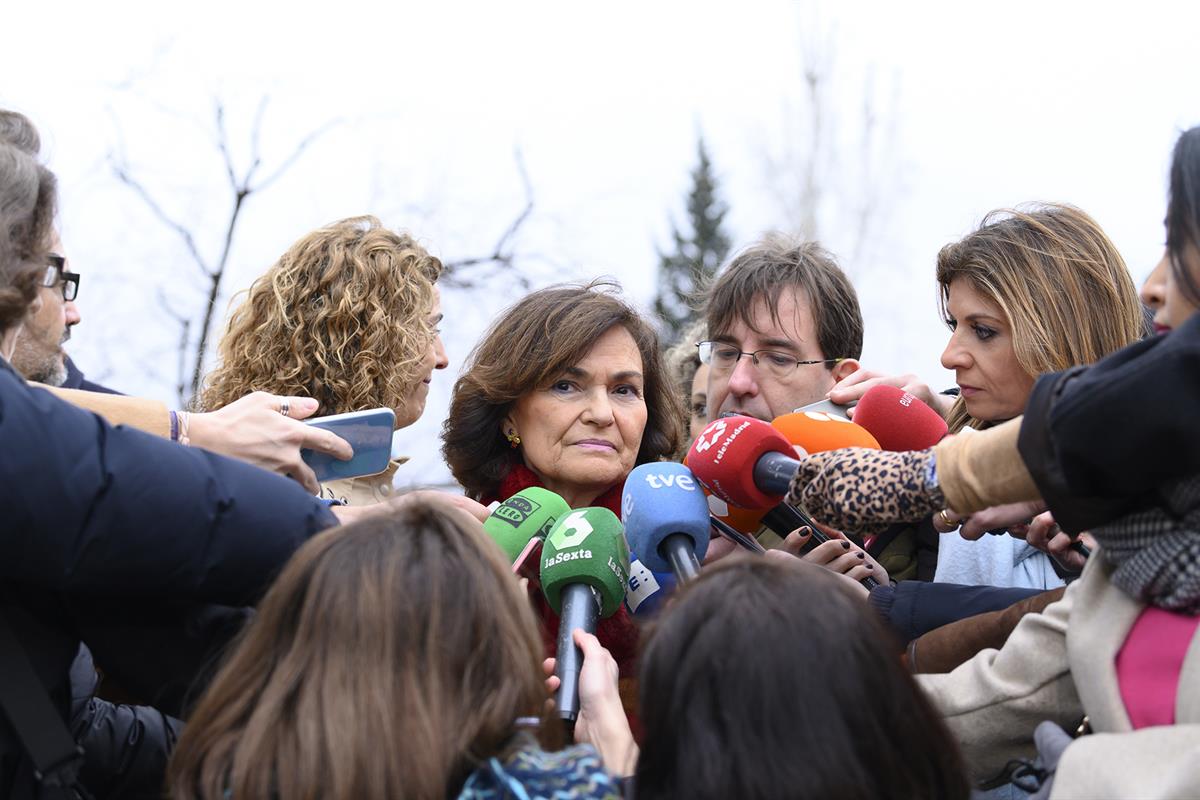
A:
[(866, 490)]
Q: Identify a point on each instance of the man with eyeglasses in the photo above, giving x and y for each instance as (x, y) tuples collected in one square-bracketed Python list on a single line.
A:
[(784, 326), (39, 354)]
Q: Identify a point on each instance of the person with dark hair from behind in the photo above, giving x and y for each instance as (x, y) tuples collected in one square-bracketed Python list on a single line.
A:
[(769, 678), (393, 658)]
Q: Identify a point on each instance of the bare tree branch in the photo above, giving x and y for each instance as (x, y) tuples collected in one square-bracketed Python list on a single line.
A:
[(290, 160), (502, 254), (122, 174), (223, 144)]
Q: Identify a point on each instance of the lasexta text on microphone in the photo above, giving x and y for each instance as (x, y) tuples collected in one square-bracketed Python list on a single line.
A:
[(584, 573)]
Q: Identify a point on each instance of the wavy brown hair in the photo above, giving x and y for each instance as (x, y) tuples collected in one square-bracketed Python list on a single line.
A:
[(530, 345), (342, 316), (390, 659), (28, 194), (1059, 280)]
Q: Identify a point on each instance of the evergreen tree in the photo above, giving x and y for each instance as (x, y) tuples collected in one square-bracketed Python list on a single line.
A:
[(699, 251)]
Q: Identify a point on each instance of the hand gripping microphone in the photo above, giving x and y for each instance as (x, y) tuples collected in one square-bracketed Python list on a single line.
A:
[(898, 419), (585, 568), (529, 514), (666, 518)]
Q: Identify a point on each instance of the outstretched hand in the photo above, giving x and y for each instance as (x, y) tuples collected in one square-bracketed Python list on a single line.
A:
[(865, 490), (254, 429), (601, 721)]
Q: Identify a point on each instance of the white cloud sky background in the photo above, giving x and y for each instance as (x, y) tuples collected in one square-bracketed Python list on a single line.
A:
[(983, 106)]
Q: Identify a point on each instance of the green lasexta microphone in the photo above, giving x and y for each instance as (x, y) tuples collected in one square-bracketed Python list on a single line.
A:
[(584, 572), (527, 515)]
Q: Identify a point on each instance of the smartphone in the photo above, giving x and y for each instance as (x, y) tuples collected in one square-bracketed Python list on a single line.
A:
[(742, 540), (528, 563), (368, 432), (827, 407)]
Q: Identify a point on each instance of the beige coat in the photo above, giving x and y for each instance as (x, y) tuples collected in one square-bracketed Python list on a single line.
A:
[(1049, 669), (364, 491)]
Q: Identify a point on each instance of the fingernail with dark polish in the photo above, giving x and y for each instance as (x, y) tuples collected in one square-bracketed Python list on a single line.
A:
[(861, 555), (846, 545)]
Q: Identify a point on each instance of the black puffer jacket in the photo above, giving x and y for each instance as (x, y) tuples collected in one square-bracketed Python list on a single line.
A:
[(125, 747), (94, 513), (1100, 440)]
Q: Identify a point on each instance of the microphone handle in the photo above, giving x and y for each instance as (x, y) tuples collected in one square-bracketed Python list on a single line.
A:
[(679, 550), (580, 609), (773, 473), (788, 518)]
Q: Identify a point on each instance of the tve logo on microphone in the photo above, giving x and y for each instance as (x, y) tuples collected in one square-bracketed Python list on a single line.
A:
[(666, 481)]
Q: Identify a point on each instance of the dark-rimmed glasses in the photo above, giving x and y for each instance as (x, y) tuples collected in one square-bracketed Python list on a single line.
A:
[(722, 357), (55, 274)]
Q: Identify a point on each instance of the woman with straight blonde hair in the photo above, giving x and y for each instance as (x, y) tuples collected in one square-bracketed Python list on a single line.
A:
[(1033, 290), (349, 316), (396, 657)]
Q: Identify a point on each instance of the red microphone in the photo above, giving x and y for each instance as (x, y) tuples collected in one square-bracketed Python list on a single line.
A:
[(898, 419), (743, 461)]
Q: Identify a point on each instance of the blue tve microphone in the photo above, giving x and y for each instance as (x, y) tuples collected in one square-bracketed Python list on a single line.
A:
[(647, 591), (665, 514)]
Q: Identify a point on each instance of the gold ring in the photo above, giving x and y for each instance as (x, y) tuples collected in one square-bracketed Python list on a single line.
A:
[(945, 518)]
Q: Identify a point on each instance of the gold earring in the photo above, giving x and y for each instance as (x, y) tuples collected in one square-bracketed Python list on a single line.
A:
[(513, 439)]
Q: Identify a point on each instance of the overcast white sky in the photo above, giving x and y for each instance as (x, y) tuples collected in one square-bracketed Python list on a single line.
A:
[(978, 106)]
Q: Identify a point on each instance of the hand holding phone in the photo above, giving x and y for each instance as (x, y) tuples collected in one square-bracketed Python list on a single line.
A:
[(368, 432)]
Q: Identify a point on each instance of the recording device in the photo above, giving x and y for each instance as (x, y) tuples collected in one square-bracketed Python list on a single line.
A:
[(749, 463), (746, 541), (520, 525), (827, 406), (898, 420), (368, 432), (584, 572), (666, 518)]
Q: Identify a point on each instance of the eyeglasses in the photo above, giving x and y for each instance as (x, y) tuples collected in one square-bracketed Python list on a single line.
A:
[(55, 275), (722, 357)]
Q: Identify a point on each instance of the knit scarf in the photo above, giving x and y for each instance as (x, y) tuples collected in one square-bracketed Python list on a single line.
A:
[(1157, 551)]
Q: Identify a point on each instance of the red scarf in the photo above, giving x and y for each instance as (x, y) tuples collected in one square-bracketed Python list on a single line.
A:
[(618, 633)]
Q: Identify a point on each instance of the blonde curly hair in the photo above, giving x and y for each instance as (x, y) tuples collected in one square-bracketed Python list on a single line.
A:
[(342, 317)]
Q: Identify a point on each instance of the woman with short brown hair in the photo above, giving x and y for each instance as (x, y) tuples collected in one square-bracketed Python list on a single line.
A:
[(568, 392), (533, 344)]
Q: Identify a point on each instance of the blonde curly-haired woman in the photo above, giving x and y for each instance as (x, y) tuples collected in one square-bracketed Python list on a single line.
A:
[(348, 315)]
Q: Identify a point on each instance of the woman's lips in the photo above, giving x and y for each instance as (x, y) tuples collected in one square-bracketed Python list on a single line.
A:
[(968, 391), (1160, 328), (596, 444)]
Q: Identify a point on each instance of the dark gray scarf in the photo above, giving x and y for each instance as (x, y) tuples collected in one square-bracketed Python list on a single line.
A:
[(1157, 552)]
